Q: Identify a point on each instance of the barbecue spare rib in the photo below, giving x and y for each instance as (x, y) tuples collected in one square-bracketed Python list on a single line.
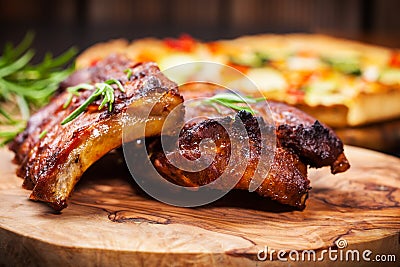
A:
[(52, 157), (52, 163), (300, 139)]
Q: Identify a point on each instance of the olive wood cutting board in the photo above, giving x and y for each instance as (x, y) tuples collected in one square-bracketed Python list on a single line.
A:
[(110, 221)]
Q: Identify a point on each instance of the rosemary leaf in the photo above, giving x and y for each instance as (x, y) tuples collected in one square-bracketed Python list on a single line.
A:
[(24, 107), (118, 83), (80, 109), (20, 63), (11, 54), (233, 101), (128, 73), (6, 115), (104, 89), (42, 134)]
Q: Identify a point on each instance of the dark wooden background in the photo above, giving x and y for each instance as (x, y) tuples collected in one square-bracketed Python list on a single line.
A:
[(60, 24)]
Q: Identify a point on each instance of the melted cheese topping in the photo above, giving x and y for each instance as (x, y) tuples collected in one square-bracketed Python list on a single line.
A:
[(303, 63), (267, 79)]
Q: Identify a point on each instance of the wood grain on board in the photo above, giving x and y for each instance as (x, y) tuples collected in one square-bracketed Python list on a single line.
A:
[(110, 221)]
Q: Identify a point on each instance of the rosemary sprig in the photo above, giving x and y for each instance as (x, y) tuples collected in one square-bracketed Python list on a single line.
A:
[(25, 87), (233, 101), (104, 89)]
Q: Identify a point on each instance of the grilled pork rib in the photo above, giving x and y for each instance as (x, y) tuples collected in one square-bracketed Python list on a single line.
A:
[(52, 164), (285, 182), (315, 143), (300, 140)]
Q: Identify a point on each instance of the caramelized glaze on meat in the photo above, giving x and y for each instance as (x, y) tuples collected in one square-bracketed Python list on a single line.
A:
[(285, 182), (315, 143), (300, 139), (53, 164)]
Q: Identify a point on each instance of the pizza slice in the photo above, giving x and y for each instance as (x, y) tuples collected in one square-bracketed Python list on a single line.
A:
[(340, 82)]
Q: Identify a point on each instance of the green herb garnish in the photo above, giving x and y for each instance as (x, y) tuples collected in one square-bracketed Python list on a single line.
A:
[(42, 134), (104, 89), (128, 74), (233, 101), (25, 87)]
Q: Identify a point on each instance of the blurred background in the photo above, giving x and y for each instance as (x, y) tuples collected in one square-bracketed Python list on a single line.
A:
[(60, 24)]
